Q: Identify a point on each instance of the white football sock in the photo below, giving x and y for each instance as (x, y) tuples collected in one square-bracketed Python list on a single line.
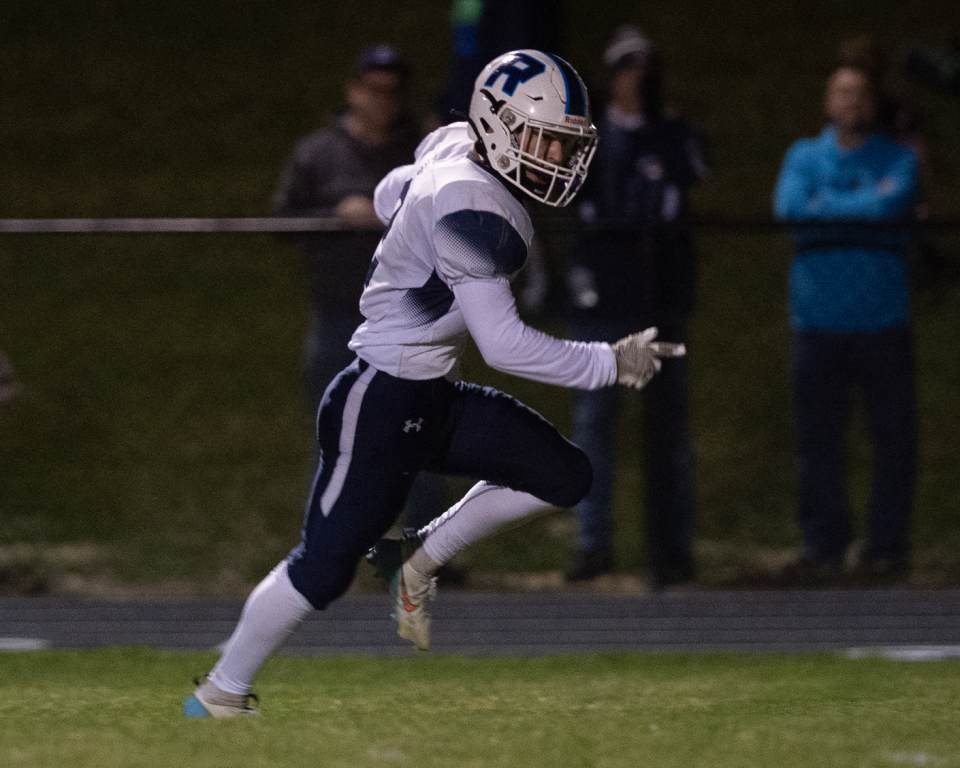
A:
[(271, 614), (482, 512)]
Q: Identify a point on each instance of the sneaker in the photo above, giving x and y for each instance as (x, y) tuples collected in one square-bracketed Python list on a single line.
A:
[(589, 563), (386, 557), (410, 590), (210, 701)]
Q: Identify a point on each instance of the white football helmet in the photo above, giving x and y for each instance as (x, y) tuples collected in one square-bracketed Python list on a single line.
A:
[(526, 106)]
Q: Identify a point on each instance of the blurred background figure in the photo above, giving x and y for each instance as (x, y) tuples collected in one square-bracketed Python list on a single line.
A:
[(333, 173), (851, 320), (894, 116), (8, 380), (936, 65), (901, 121), (481, 30), (632, 266)]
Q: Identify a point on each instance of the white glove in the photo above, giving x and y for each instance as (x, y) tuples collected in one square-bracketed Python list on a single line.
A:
[(638, 357)]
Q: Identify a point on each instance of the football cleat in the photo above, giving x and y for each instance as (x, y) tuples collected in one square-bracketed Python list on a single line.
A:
[(386, 557), (410, 590), (209, 701)]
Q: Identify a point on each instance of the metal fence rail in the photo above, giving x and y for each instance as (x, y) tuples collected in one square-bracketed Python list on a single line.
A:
[(263, 224), (331, 224)]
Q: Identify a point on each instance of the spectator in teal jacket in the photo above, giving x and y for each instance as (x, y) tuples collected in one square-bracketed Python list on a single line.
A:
[(851, 193)]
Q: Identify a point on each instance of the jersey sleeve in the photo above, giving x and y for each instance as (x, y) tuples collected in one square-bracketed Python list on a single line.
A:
[(477, 245), (509, 345), (480, 232)]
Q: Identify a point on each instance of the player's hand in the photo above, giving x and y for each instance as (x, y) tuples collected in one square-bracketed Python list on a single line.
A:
[(357, 212), (638, 357)]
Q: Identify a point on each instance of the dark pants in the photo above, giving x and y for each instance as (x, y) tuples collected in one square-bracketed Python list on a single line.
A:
[(325, 354), (825, 367), (667, 451), (377, 432)]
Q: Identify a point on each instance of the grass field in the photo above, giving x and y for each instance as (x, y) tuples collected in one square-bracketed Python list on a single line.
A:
[(122, 707)]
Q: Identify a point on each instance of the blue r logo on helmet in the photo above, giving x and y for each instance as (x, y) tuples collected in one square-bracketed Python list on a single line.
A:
[(517, 69)]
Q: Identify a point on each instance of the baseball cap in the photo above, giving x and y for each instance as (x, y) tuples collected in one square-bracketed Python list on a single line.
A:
[(374, 57), (628, 47)]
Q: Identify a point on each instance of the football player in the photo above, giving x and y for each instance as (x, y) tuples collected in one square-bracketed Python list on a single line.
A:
[(457, 233)]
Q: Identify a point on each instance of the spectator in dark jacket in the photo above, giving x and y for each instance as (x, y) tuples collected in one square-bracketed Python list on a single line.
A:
[(333, 173), (633, 266)]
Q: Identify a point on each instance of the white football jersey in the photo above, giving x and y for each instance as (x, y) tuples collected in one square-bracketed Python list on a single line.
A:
[(456, 237)]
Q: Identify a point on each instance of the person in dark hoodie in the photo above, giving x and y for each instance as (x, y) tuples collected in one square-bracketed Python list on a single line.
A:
[(633, 263)]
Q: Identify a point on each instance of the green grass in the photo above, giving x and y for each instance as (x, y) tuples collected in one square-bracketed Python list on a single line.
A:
[(160, 435), (123, 708)]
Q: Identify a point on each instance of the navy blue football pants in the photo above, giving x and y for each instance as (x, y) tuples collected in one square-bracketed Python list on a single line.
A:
[(376, 432)]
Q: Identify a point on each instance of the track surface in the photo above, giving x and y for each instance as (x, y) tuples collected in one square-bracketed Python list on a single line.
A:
[(911, 623)]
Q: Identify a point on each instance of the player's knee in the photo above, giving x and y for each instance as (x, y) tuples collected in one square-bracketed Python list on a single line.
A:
[(318, 584), (320, 595), (570, 482)]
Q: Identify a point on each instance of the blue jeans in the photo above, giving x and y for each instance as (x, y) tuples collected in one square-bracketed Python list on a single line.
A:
[(667, 450), (825, 367)]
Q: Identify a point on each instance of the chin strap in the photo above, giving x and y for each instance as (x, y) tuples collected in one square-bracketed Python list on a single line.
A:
[(478, 144), (495, 107)]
